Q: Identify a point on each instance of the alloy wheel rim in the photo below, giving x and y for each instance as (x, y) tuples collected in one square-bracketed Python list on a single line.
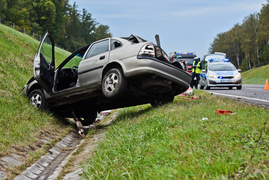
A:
[(111, 82), (36, 100)]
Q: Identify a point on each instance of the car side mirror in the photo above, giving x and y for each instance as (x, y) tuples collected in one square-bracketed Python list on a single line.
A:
[(239, 70)]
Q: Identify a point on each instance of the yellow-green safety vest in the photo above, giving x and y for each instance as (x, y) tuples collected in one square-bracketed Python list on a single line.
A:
[(197, 70)]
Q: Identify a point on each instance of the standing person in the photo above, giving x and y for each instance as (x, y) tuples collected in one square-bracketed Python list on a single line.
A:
[(196, 71)]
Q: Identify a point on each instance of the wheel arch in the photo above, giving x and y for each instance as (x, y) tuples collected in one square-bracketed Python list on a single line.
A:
[(33, 87), (110, 66)]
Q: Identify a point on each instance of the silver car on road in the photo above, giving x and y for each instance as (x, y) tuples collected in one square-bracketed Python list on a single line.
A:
[(107, 74), (220, 74)]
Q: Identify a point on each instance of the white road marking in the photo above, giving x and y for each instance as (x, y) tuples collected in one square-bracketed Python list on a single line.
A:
[(242, 97)]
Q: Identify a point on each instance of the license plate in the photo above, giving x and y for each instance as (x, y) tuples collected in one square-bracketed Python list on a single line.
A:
[(225, 81)]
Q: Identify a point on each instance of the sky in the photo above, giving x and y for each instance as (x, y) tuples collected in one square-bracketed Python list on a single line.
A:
[(183, 25)]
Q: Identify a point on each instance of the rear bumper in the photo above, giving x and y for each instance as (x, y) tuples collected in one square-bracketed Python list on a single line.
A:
[(135, 67)]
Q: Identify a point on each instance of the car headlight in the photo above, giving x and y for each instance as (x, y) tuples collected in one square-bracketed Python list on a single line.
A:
[(211, 76), (237, 76)]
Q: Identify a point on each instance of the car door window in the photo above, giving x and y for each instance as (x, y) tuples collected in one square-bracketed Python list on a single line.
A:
[(98, 48), (74, 61), (46, 50)]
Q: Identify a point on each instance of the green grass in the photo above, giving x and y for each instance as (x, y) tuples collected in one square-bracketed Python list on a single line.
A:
[(20, 122), (174, 142), (171, 142), (256, 75)]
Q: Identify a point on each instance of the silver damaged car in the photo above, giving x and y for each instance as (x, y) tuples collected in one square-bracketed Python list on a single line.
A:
[(107, 74)]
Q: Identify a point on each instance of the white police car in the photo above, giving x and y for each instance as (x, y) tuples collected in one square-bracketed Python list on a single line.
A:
[(220, 73)]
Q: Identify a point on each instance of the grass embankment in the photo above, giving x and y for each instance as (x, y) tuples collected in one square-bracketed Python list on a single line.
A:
[(21, 124), (185, 140), (256, 75)]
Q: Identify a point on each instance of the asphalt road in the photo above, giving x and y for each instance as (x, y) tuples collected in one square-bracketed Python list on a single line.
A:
[(253, 94)]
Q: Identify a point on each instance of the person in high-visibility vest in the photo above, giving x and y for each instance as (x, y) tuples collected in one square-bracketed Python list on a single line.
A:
[(196, 71)]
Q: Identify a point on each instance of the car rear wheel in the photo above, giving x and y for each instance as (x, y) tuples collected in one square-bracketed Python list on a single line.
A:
[(230, 87), (37, 99), (114, 84), (239, 87)]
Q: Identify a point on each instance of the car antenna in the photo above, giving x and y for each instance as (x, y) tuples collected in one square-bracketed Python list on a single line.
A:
[(158, 40)]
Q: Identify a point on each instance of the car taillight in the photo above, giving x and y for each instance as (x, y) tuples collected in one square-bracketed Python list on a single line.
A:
[(147, 50)]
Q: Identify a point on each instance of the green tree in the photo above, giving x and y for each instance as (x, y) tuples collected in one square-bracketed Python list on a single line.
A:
[(263, 34), (3, 8), (44, 14), (236, 40), (249, 45), (102, 31)]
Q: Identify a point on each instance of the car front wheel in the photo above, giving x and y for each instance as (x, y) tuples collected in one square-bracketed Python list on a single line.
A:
[(114, 84), (37, 99)]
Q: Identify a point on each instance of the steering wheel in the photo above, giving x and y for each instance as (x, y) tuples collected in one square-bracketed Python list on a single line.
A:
[(74, 70)]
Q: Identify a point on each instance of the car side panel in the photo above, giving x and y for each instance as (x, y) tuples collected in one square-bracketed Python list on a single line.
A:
[(90, 70)]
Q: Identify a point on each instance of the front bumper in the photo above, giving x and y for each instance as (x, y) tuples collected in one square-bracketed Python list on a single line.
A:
[(233, 82)]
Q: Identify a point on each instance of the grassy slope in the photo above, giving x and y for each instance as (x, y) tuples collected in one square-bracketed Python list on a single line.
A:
[(256, 75), (21, 124), (176, 141)]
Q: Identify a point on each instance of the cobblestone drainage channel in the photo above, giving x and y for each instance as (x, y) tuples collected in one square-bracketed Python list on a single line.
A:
[(50, 165)]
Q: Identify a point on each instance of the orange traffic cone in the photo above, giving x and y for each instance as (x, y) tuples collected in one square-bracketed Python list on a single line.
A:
[(266, 86)]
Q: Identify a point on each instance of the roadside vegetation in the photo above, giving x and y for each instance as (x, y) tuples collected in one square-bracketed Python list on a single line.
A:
[(256, 75), (172, 141), (21, 124), (70, 27), (185, 140), (246, 44)]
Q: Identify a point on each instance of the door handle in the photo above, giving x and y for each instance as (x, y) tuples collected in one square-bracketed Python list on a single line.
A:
[(102, 57)]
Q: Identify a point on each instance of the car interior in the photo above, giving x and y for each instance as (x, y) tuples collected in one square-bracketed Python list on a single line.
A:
[(67, 73)]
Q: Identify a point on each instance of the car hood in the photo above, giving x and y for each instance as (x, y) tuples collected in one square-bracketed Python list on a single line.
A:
[(223, 73)]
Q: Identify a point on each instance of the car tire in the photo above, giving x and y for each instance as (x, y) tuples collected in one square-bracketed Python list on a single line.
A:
[(89, 118), (37, 99), (201, 87), (207, 87), (159, 102), (230, 87), (239, 87), (114, 84)]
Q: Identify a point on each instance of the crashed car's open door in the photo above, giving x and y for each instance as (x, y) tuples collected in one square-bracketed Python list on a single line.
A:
[(44, 63)]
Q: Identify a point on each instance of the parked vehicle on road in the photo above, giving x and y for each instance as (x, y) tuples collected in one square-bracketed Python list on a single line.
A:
[(107, 74), (220, 73), (187, 58), (216, 56)]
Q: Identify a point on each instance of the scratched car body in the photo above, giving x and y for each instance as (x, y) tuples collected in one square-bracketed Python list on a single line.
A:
[(107, 74)]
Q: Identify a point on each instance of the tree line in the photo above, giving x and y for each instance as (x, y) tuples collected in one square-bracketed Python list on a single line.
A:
[(246, 44), (70, 28)]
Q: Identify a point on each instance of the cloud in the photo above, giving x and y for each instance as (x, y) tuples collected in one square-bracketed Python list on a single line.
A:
[(216, 9)]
